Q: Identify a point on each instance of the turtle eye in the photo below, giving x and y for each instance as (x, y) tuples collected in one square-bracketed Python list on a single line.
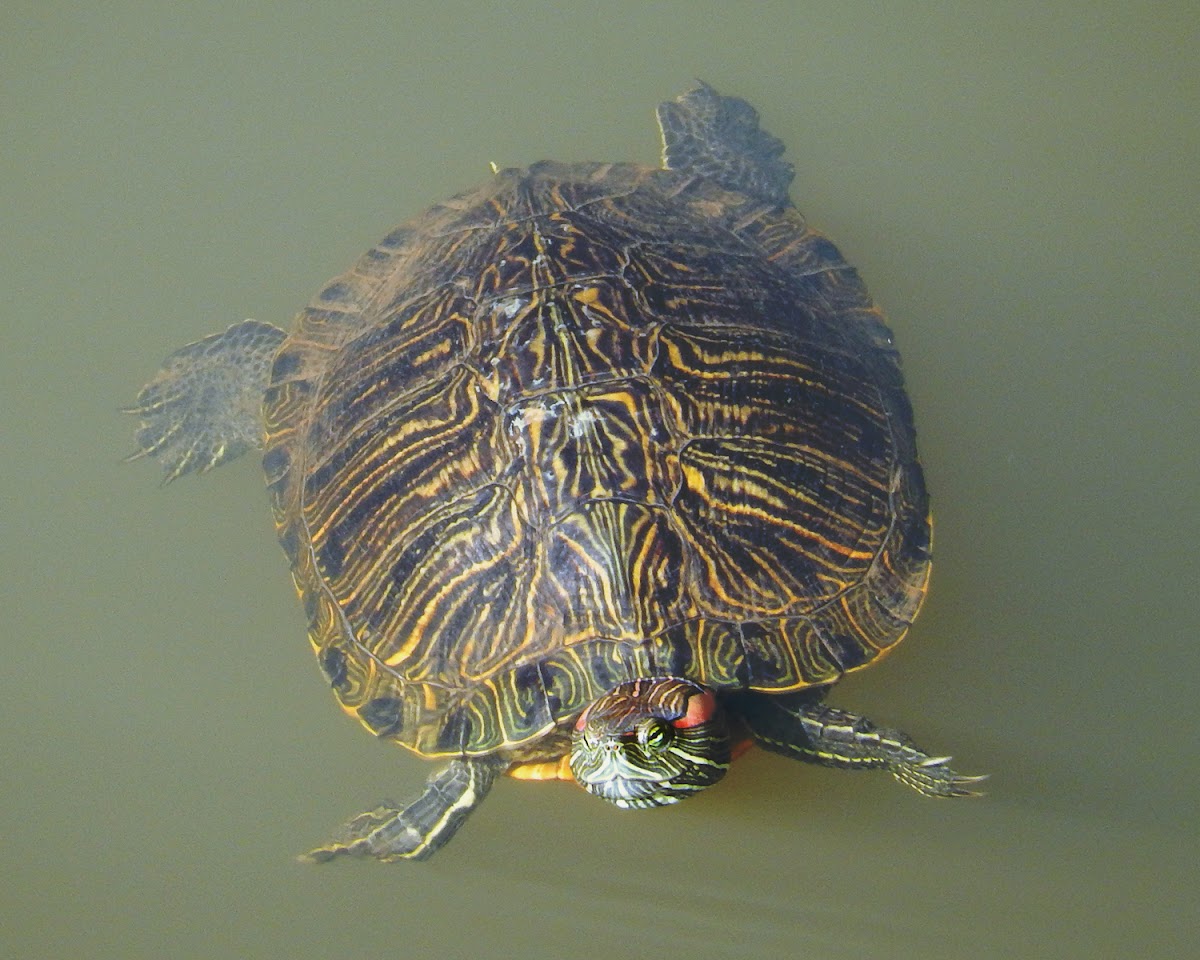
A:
[(654, 734)]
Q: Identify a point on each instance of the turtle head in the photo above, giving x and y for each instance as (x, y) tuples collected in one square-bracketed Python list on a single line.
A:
[(651, 742)]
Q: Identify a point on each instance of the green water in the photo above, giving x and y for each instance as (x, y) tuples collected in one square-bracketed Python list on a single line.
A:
[(1017, 183)]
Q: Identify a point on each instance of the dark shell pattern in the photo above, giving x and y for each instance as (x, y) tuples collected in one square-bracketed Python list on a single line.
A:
[(585, 424)]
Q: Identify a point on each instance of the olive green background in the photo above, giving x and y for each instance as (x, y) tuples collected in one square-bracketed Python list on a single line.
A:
[(1018, 184)]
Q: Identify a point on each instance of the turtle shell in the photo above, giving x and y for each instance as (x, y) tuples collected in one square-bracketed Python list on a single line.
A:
[(584, 424)]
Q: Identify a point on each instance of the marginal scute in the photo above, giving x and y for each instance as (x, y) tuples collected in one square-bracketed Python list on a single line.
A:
[(276, 463), (333, 662), (383, 716), (786, 653)]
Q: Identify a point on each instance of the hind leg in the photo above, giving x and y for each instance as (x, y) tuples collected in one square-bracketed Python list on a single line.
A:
[(204, 406)]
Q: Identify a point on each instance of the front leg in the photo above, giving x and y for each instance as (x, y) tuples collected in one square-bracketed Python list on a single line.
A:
[(416, 831), (800, 725)]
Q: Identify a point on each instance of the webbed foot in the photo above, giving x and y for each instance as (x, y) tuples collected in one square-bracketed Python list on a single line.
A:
[(719, 138), (204, 406)]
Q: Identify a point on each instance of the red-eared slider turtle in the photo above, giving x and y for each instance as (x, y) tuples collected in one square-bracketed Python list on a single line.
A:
[(591, 471)]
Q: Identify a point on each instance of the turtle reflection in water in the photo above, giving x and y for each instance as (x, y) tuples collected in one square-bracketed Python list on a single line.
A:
[(593, 472)]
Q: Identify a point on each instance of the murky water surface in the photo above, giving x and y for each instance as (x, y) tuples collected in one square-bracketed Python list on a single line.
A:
[(1018, 187)]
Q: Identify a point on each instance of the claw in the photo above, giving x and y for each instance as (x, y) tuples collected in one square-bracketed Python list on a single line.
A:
[(961, 784), (153, 447), (933, 777)]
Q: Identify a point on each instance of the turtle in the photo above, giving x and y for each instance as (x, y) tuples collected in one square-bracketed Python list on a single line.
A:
[(596, 472)]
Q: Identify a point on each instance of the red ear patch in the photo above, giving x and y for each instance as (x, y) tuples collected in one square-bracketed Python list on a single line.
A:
[(701, 706)]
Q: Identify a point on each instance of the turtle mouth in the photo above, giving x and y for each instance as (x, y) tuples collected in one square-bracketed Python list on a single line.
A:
[(607, 768), (631, 793)]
